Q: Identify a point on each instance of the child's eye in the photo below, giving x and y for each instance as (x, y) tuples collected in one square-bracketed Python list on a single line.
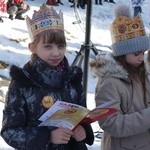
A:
[(138, 53), (61, 46), (47, 46)]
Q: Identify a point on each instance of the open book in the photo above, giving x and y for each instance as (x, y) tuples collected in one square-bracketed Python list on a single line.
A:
[(68, 115)]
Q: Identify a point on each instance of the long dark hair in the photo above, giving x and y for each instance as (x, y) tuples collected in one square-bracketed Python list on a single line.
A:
[(134, 73)]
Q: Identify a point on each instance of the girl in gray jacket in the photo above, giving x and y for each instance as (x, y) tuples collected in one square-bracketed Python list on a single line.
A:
[(122, 78)]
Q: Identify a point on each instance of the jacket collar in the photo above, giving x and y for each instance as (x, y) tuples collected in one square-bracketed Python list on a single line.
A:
[(37, 72), (44, 74), (106, 66)]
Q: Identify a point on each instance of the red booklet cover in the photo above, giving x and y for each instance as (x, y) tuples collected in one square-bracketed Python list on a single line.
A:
[(97, 114)]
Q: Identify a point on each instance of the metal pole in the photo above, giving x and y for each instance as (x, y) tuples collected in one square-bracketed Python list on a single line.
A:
[(87, 46)]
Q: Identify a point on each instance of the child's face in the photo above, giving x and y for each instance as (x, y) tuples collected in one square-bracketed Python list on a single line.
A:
[(135, 59), (51, 53)]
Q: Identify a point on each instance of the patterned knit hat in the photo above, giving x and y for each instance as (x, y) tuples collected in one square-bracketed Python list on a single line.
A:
[(46, 19), (128, 33)]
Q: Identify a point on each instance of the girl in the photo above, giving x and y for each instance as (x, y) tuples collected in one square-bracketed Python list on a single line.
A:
[(123, 78), (45, 79)]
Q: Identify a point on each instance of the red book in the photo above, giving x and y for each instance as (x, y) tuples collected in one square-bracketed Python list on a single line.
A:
[(97, 114)]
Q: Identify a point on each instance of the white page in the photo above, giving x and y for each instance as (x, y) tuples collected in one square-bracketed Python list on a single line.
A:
[(58, 105)]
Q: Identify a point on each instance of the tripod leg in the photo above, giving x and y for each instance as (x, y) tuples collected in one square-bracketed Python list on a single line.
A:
[(78, 57), (80, 61), (94, 50)]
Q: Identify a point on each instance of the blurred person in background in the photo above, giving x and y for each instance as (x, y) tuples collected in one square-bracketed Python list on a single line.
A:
[(17, 8), (3, 8), (137, 6)]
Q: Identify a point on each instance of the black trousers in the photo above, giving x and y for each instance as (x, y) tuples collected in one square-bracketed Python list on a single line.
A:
[(96, 1)]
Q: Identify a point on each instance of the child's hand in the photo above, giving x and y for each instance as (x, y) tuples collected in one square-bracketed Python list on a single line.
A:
[(79, 133), (60, 136)]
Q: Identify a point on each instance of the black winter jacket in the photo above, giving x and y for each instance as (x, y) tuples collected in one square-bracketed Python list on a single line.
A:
[(24, 104)]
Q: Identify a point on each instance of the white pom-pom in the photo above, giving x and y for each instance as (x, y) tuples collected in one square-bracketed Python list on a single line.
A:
[(123, 10)]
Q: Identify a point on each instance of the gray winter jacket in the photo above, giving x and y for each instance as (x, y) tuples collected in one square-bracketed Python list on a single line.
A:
[(128, 129)]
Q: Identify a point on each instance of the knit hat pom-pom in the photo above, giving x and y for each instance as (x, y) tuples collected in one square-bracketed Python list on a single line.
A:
[(123, 10)]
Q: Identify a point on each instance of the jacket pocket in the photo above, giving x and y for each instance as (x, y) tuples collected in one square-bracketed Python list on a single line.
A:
[(139, 141)]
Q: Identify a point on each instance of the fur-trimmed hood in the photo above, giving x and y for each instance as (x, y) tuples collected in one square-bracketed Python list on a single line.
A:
[(22, 76), (105, 66)]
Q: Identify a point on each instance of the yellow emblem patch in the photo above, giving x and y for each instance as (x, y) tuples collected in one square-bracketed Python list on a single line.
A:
[(47, 101)]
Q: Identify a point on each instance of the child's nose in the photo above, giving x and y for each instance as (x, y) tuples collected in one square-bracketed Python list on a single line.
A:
[(56, 52)]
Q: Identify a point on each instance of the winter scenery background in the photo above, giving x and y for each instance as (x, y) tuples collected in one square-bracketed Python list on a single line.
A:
[(14, 41)]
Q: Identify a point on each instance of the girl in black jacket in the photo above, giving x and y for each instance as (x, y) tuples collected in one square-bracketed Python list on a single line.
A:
[(48, 75)]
